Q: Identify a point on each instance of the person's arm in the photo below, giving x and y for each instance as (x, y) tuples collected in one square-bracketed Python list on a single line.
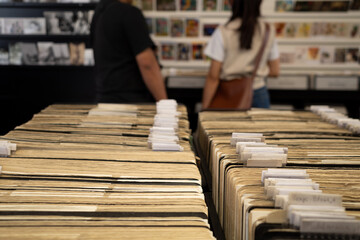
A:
[(151, 74), (274, 67), (211, 84)]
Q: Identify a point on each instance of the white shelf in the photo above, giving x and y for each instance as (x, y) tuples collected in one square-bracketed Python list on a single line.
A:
[(313, 15), (314, 41), (195, 64), (355, 67), (180, 39), (303, 16), (186, 14)]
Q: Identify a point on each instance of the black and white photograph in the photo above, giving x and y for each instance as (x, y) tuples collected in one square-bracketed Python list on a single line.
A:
[(81, 22), (61, 53), (2, 26), (58, 23), (13, 26), (4, 56), (46, 53), (29, 54), (89, 57), (35, 26), (15, 53)]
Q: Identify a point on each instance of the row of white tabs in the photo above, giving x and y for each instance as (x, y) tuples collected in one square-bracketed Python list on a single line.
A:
[(164, 133), (307, 208), (330, 115), (6, 148), (254, 152)]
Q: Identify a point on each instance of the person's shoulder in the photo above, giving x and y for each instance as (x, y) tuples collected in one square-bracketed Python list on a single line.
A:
[(232, 25)]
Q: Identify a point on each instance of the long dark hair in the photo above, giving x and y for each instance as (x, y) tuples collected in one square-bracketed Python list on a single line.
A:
[(249, 12)]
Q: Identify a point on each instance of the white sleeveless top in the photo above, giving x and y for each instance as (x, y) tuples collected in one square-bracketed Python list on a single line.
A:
[(236, 63)]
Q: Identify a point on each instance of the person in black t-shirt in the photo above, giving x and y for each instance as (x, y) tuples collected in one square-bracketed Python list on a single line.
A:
[(126, 68)]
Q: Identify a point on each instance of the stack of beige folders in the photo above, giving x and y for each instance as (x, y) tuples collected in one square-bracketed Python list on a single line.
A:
[(329, 155), (86, 172)]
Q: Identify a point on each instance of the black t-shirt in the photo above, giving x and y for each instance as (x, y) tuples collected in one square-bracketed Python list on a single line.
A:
[(119, 32)]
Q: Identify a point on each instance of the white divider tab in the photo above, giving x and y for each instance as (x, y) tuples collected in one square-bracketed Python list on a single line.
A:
[(156, 146), (283, 173), (330, 226), (315, 199)]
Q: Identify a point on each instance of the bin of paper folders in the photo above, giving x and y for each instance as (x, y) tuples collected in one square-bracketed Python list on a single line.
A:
[(6, 148), (305, 207), (254, 152), (164, 133), (330, 115)]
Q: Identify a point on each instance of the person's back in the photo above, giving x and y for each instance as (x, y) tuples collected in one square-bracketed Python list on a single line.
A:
[(119, 35), (243, 53)]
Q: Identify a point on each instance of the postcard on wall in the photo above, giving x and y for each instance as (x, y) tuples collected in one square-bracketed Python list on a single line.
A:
[(352, 55), (317, 29), (81, 22), (165, 5), (183, 52), (29, 53), (209, 28), (226, 6), (2, 26), (161, 27), (327, 54), (342, 30), (192, 27), (89, 57), (313, 55), (339, 55), (15, 53), (77, 53), (290, 30), (145, 5), (188, 5), (14, 26), (59, 22), (303, 30), (284, 5), (209, 5), (280, 29), (287, 56), (4, 57), (300, 54), (177, 27), (61, 53), (34, 26), (150, 24), (197, 51), (168, 51), (46, 53), (354, 29)]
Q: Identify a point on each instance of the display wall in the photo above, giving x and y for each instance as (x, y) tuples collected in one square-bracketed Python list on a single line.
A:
[(318, 44)]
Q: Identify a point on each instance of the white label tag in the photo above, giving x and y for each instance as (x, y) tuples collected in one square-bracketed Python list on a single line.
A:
[(264, 163), (315, 199), (336, 226)]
